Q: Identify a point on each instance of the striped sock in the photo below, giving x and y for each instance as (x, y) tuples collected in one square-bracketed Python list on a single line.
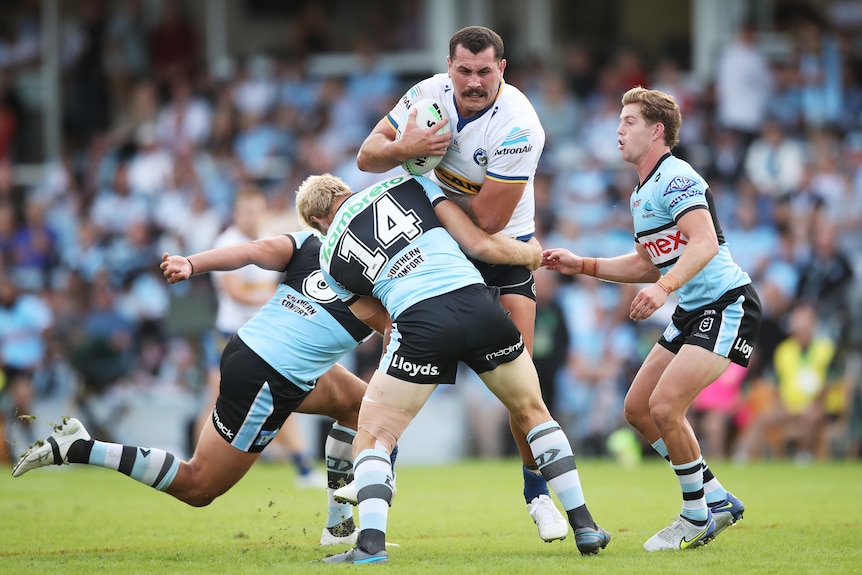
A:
[(339, 471), (555, 459), (154, 467), (690, 476), (373, 471), (714, 491), (661, 449)]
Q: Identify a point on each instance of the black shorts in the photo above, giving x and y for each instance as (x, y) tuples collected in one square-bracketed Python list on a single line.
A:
[(254, 399), (431, 337), (510, 279), (729, 326)]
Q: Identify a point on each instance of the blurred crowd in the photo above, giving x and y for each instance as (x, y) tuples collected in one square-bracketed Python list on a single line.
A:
[(156, 146)]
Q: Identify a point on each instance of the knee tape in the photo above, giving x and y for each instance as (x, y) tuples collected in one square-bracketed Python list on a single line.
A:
[(383, 422)]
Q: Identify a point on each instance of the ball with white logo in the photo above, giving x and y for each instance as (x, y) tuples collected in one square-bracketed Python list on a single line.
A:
[(429, 112)]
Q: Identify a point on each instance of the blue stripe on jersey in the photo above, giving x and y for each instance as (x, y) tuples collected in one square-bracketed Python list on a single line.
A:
[(260, 410), (499, 178), (462, 122), (731, 319), (392, 121)]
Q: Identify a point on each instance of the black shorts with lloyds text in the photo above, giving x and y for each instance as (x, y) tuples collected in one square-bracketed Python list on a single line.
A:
[(729, 326), (432, 336)]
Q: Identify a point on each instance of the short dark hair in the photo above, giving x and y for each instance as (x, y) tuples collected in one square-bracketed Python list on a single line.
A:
[(476, 39)]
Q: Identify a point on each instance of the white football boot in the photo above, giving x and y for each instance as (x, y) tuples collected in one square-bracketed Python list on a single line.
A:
[(54, 449), (548, 519), (682, 534)]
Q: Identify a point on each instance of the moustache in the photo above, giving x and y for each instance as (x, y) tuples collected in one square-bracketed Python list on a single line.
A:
[(473, 94)]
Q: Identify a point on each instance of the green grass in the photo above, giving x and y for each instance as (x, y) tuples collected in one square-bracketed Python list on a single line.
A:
[(466, 518)]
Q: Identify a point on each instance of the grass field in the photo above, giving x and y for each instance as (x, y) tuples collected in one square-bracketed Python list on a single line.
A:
[(466, 518)]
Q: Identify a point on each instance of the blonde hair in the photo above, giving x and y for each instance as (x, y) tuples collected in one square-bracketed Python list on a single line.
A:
[(657, 107), (315, 197)]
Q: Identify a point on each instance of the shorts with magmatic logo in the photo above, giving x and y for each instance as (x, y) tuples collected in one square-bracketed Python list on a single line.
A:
[(431, 337), (254, 399), (729, 326)]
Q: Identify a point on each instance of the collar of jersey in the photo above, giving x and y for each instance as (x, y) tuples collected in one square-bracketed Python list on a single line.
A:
[(657, 164), (464, 121)]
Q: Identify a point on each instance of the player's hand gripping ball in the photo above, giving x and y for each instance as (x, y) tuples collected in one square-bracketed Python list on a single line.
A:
[(429, 111)]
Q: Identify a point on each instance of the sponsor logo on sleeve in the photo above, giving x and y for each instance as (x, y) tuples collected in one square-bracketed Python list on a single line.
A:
[(684, 196), (517, 142), (679, 184)]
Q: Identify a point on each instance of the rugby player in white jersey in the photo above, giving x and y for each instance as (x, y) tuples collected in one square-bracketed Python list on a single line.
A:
[(490, 156)]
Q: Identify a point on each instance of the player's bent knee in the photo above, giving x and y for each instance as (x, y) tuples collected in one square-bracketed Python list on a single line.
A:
[(200, 500), (194, 495), (636, 415), (383, 422), (664, 415), (196, 487)]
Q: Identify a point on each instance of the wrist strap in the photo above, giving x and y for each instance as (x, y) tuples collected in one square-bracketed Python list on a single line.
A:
[(669, 283), (191, 265)]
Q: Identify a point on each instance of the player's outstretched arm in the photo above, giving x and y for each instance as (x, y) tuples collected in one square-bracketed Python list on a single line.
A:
[(634, 267), (270, 253), (493, 249), (563, 261)]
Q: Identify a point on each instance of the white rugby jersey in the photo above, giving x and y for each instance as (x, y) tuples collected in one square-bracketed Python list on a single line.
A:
[(503, 143)]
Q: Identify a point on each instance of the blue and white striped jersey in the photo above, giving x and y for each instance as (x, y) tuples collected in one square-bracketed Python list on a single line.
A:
[(304, 329), (672, 189), (386, 242)]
